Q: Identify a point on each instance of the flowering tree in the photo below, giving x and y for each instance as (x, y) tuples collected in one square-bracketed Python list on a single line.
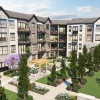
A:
[(12, 61)]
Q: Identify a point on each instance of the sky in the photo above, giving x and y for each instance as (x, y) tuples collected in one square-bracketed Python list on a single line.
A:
[(55, 9)]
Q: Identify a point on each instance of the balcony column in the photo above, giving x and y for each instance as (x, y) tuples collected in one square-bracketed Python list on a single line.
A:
[(58, 42)]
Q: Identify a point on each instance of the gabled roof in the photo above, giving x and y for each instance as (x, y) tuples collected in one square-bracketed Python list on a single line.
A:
[(75, 21), (43, 19), (18, 15)]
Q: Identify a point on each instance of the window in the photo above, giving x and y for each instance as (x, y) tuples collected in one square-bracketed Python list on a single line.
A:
[(3, 37), (54, 29), (69, 28), (13, 49), (11, 24), (75, 28), (80, 46), (89, 27), (97, 27), (69, 45), (33, 26), (69, 37), (75, 38), (3, 50), (61, 29), (80, 37), (3, 23), (12, 36), (22, 25), (97, 37), (47, 26), (74, 47), (89, 37), (21, 49), (80, 28)]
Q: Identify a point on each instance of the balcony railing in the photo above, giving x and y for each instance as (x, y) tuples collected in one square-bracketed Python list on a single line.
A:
[(62, 40), (74, 40), (54, 48), (23, 40), (54, 32), (42, 49), (41, 40), (24, 29), (75, 31)]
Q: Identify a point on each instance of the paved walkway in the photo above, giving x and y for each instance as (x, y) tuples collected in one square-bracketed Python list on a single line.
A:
[(53, 91)]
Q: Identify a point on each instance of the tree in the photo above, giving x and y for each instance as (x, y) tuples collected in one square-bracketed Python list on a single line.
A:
[(89, 62), (53, 74), (73, 67), (12, 61), (81, 66), (85, 55), (2, 92), (63, 69), (23, 81), (96, 56)]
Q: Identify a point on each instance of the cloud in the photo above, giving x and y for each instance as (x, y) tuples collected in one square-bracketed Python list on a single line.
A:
[(86, 9), (10, 5)]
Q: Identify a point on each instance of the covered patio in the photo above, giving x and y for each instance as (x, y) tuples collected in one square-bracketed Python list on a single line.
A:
[(40, 62)]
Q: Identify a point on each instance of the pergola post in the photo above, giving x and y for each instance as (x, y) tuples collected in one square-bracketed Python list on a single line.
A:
[(40, 68), (46, 67)]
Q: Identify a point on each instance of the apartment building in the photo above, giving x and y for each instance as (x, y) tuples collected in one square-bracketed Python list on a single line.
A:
[(39, 37), (24, 34)]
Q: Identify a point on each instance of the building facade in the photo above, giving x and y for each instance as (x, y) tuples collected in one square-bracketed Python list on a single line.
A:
[(40, 37)]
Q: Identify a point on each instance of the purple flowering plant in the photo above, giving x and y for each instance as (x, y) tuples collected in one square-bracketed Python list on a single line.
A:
[(12, 61)]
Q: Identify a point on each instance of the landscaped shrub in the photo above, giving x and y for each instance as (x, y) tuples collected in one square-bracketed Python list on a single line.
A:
[(58, 77), (57, 82), (14, 74), (83, 81), (91, 74), (75, 89), (28, 98), (96, 69), (63, 96), (49, 82), (7, 72), (77, 81), (54, 83), (78, 86), (73, 97), (38, 89), (69, 87)]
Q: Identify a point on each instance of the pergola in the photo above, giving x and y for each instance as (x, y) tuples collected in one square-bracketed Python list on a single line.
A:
[(40, 62)]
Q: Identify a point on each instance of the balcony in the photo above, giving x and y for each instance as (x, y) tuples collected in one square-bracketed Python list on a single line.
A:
[(54, 48), (75, 40), (75, 32), (40, 29), (24, 29), (43, 49), (62, 40), (54, 32), (25, 40), (62, 48), (42, 40)]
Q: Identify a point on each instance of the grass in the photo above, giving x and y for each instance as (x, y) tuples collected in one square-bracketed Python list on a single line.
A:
[(44, 80), (10, 95), (92, 87), (9, 75)]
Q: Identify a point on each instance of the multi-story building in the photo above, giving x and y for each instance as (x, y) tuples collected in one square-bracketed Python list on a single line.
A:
[(24, 34), (39, 37)]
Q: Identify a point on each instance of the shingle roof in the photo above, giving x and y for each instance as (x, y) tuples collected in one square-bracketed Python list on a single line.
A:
[(60, 22), (41, 19), (82, 20), (75, 21), (19, 15), (24, 16)]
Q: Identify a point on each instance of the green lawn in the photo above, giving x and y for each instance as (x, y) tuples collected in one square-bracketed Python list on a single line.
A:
[(10, 95), (44, 80), (9, 75), (92, 87)]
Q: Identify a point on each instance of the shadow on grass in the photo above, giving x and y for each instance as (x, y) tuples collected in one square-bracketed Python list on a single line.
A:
[(98, 81)]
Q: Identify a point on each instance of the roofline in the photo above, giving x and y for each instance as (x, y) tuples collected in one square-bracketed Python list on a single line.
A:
[(49, 20), (4, 11), (97, 19), (33, 17)]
